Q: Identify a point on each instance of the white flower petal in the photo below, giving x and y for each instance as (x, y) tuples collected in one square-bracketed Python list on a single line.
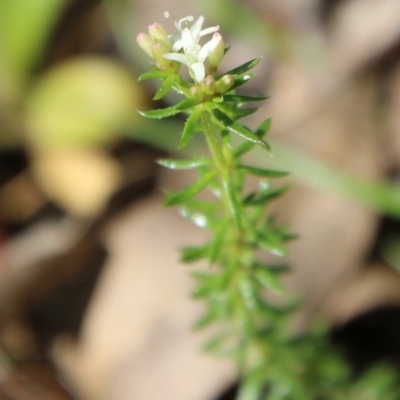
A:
[(187, 38), (196, 27), (179, 57), (208, 48), (206, 31), (177, 45), (199, 71)]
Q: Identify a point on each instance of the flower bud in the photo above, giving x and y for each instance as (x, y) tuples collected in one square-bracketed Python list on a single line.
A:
[(146, 43), (158, 34), (158, 50), (218, 51), (208, 85), (197, 93), (224, 84)]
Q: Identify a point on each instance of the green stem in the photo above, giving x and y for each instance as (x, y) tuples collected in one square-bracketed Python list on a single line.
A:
[(213, 142), (222, 165)]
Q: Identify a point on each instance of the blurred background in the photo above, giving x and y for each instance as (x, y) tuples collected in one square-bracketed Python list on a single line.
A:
[(94, 303)]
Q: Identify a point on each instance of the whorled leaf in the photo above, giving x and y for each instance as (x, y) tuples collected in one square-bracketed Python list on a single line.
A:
[(262, 130), (181, 164), (207, 319), (273, 245), (191, 191), (218, 240), (190, 127), (184, 105), (241, 99), (277, 269), (164, 88), (241, 69), (269, 280), (193, 253), (254, 200), (240, 130), (153, 75), (234, 204), (234, 112), (216, 342), (266, 173), (241, 80)]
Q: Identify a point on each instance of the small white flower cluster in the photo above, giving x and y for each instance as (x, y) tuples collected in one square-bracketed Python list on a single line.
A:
[(184, 48)]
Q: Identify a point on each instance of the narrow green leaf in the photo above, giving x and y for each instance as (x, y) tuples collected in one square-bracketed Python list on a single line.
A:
[(265, 197), (242, 149), (274, 245), (242, 68), (274, 268), (264, 128), (203, 277), (247, 292), (234, 204), (189, 128), (266, 173), (164, 88), (237, 98), (204, 206), (201, 292), (217, 341), (252, 386), (153, 75), (269, 280), (178, 198), (183, 164), (207, 319), (217, 243), (26, 28), (234, 112), (250, 197), (244, 112), (241, 80), (184, 105), (260, 132), (238, 129), (193, 253)]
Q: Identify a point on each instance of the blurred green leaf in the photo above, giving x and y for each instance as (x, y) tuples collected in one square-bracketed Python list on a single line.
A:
[(379, 195), (265, 197), (267, 173), (25, 26), (81, 102), (189, 128), (241, 80), (164, 88), (153, 75), (184, 105), (242, 68), (191, 191), (192, 253), (234, 204), (273, 244), (260, 132), (184, 164), (269, 280), (240, 130), (237, 98), (217, 242)]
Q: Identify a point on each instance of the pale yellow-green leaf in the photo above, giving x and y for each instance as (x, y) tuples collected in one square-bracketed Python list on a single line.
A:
[(81, 102), (25, 26)]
